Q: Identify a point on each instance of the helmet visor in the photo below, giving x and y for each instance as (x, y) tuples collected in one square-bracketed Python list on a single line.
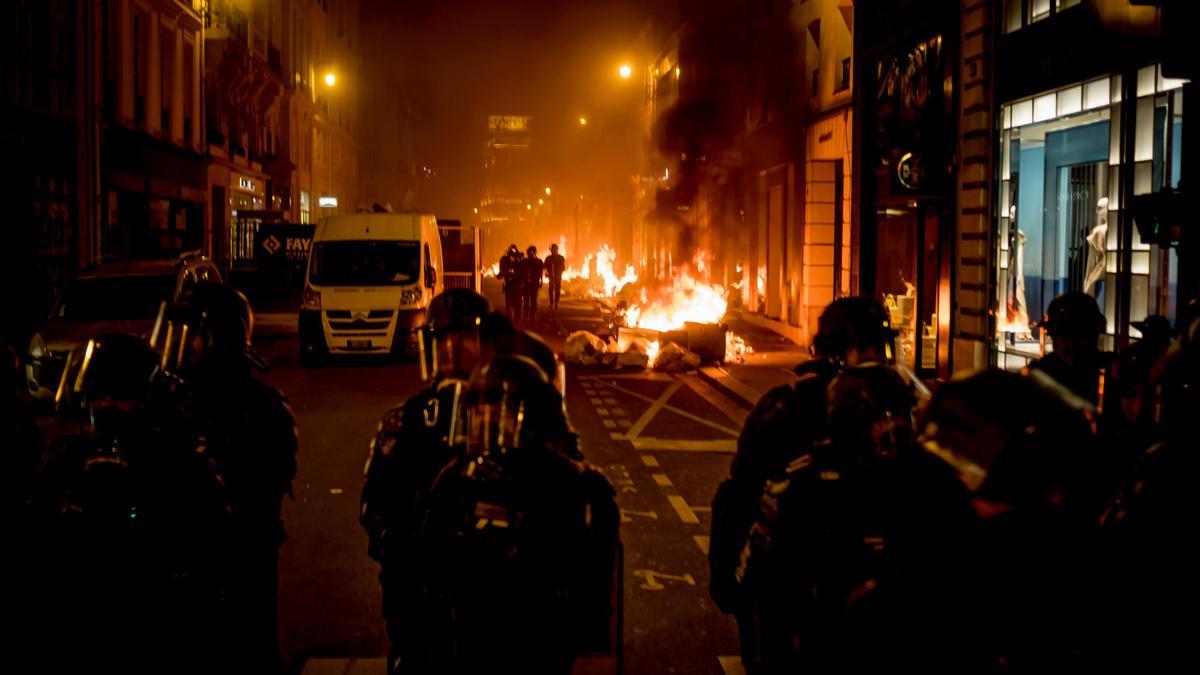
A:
[(455, 353), (494, 424)]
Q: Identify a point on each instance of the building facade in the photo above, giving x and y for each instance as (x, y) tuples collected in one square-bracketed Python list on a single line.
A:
[(506, 209), (152, 153), (48, 178), (1090, 135), (906, 140)]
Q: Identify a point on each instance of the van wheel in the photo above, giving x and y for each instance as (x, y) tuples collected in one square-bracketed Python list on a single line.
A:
[(312, 353)]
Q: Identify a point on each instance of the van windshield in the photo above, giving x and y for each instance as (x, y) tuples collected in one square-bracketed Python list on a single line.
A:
[(365, 263)]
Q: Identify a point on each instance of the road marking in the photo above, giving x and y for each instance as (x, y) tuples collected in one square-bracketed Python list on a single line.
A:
[(702, 509), (661, 479), (732, 665), (603, 412), (653, 410), (686, 514), (616, 435), (627, 515), (595, 401), (611, 424), (610, 401), (701, 541), (683, 445), (645, 377), (335, 491), (649, 460), (715, 398), (620, 412), (652, 579), (624, 424), (745, 391), (677, 411)]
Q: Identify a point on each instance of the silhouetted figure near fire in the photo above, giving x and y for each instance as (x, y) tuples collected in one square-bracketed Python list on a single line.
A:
[(510, 275), (532, 270), (555, 266)]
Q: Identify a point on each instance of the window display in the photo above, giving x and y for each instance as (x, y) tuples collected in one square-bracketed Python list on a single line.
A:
[(1061, 172), (1058, 169)]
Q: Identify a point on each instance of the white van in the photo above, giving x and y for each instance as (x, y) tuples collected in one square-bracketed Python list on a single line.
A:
[(369, 280)]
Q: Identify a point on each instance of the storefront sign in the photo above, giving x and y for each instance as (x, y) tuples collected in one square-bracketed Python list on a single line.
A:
[(512, 124), (245, 184), (327, 201), (910, 171)]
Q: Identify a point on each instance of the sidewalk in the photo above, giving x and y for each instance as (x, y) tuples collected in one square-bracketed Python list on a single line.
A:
[(768, 367)]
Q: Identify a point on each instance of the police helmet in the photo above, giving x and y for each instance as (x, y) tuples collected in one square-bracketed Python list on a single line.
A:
[(119, 366), (870, 410), (1011, 439), (509, 403), (853, 321), (456, 309), (1075, 315)]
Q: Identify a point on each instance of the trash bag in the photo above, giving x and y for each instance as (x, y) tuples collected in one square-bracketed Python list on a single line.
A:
[(584, 348), (674, 358), (634, 358)]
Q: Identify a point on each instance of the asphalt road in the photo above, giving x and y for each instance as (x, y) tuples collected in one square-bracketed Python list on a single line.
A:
[(665, 441)]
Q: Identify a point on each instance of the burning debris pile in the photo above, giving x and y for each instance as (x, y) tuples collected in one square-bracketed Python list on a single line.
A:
[(672, 324)]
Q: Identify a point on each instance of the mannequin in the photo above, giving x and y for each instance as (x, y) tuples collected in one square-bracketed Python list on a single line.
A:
[(1016, 311), (1096, 240)]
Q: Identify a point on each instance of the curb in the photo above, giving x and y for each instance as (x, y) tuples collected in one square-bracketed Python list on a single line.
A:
[(727, 384)]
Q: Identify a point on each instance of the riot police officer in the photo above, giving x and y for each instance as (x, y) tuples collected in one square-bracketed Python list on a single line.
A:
[(250, 433), (129, 517), (1021, 449), (843, 561), (1074, 323), (513, 282), (785, 425), (519, 542), (411, 445)]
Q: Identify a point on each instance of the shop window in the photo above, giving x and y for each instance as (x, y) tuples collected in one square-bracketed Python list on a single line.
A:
[(844, 81), (1158, 149), (1021, 13), (304, 207), (1057, 202)]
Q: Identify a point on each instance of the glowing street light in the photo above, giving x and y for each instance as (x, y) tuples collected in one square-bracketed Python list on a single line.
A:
[(547, 191), (330, 79), (583, 121), (625, 71), (541, 202)]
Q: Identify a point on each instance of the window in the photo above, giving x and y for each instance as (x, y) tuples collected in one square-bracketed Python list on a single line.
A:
[(1059, 176), (304, 208), (189, 75), (1158, 149), (139, 68), (816, 82), (166, 78), (844, 81), (1021, 13)]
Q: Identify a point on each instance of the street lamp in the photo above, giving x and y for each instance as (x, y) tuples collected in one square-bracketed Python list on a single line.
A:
[(583, 121), (625, 71), (330, 79), (547, 191)]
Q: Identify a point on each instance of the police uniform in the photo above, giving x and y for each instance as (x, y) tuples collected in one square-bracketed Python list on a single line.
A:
[(517, 549)]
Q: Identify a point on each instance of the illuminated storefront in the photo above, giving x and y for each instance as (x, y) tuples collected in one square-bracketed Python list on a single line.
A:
[(1070, 161)]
